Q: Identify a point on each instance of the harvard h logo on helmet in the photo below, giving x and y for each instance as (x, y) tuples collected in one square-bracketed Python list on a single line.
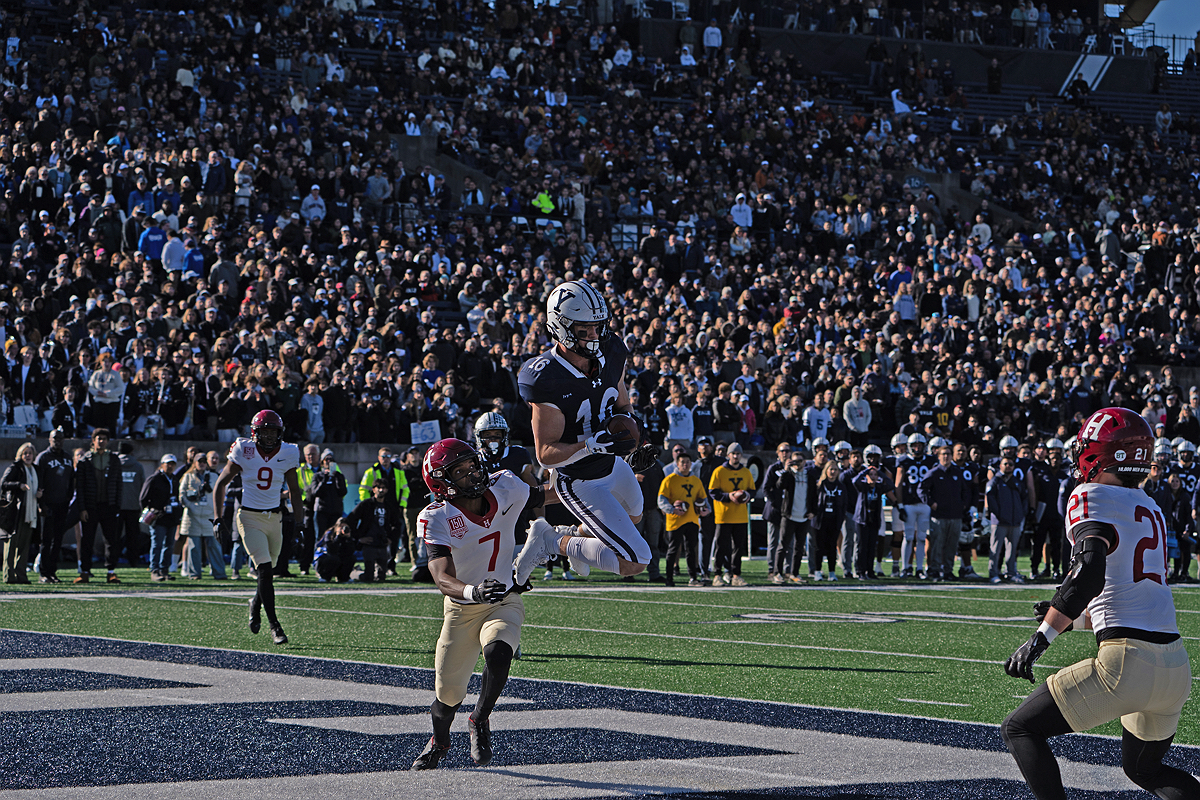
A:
[(571, 303), (1117, 441)]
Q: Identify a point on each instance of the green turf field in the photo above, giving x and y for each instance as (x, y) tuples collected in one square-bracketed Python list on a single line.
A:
[(894, 646)]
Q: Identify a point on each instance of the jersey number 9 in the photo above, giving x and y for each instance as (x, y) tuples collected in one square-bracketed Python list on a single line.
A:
[(265, 478)]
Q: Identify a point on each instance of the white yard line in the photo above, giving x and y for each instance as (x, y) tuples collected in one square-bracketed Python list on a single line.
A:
[(932, 702), (607, 632)]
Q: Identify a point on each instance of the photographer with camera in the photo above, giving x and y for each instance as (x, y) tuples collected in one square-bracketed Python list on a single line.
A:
[(374, 522), (335, 553), (161, 512), (328, 490), (195, 491)]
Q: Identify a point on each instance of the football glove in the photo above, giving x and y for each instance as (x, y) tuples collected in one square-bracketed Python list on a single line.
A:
[(219, 528), (903, 513), (489, 592), (643, 458), (1039, 613), (1020, 664), (605, 443)]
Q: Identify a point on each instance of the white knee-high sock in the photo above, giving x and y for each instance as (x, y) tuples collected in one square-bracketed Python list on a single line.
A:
[(592, 552)]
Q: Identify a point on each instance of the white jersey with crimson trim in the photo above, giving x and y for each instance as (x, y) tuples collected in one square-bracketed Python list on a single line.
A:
[(262, 478), (1135, 593), (482, 546)]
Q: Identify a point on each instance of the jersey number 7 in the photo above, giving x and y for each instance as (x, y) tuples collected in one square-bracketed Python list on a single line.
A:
[(495, 537)]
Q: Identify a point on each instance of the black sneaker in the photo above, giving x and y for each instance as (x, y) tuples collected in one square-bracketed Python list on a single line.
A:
[(481, 741), (255, 614), (432, 754), (277, 635)]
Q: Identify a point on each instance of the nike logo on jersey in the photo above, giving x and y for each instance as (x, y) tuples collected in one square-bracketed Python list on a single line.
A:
[(505, 511)]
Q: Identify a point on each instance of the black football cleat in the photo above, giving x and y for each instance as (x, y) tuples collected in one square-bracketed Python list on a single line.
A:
[(255, 614), (481, 741), (277, 635), (431, 755)]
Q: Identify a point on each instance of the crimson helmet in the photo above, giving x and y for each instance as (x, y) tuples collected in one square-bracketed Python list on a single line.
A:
[(266, 429), (439, 463), (1113, 440)]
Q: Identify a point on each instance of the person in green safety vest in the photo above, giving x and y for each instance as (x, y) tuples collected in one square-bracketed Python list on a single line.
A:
[(543, 203)]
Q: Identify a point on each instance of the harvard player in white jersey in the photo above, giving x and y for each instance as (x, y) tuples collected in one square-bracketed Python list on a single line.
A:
[(470, 533), (266, 463), (1117, 586)]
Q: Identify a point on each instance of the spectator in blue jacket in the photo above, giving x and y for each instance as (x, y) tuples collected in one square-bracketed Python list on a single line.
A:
[(140, 196), (948, 494), (1006, 505)]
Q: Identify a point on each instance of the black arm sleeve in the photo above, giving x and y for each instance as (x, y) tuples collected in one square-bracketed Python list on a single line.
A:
[(437, 550), (537, 497), (1085, 580)]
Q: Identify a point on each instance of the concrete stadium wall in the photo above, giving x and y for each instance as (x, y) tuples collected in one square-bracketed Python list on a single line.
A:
[(831, 52)]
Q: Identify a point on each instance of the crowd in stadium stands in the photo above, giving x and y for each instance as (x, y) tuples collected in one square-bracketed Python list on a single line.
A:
[(208, 217)]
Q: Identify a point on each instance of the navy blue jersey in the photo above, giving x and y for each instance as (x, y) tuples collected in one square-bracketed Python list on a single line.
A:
[(1189, 475), (1022, 468), (514, 460), (586, 401), (973, 474)]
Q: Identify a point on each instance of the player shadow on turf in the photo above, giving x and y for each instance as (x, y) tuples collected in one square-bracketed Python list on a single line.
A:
[(677, 662)]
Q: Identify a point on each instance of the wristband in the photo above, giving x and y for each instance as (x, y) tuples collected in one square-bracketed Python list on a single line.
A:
[(468, 593), (1047, 630)]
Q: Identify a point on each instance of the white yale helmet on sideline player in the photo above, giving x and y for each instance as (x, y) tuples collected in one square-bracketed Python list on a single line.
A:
[(491, 447), (573, 302)]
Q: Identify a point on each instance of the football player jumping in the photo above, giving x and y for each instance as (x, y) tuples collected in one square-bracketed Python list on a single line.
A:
[(470, 533), (1117, 585), (575, 388), (266, 463)]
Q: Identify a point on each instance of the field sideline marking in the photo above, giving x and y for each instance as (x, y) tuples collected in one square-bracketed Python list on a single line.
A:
[(931, 702)]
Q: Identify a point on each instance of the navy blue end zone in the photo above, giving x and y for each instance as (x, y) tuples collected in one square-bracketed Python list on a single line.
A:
[(160, 743)]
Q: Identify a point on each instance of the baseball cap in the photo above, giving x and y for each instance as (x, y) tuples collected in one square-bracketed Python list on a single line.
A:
[(704, 440), (168, 459)]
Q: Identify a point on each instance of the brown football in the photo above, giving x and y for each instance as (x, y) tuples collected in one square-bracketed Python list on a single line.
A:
[(623, 423)]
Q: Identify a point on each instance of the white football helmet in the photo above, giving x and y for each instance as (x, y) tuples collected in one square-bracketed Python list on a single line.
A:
[(574, 302), (939, 441), (899, 440), (1054, 444), (842, 447), (1007, 442), (491, 447), (820, 441)]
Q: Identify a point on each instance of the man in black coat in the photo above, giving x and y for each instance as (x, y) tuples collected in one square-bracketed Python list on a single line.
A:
[(98, 492), (772, 506), (57, 474)]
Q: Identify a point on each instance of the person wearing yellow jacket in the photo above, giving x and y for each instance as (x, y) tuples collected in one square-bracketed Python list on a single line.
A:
[(682, 499), (543, 203), (730, 487), (387, 471)]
